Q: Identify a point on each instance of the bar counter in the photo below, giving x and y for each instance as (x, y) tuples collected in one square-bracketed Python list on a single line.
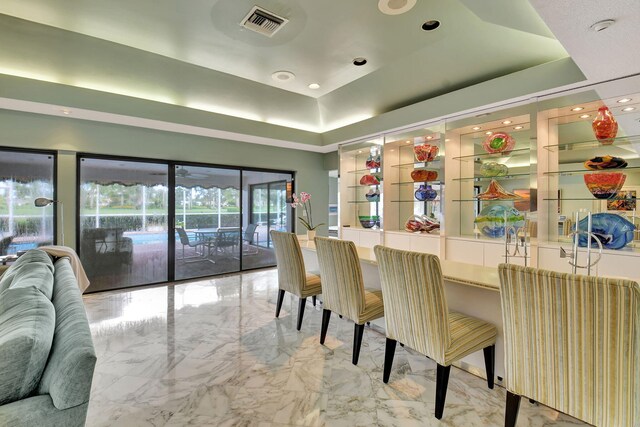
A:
[(470, 289)]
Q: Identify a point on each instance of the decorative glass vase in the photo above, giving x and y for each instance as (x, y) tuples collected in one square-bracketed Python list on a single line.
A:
[(605, 126), (425, 192)]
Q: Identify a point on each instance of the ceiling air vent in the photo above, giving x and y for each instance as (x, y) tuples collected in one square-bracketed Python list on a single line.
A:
[(263, 22)]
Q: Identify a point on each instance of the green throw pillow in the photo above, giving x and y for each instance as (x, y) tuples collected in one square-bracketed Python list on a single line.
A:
[(27, 322), (34, 268)]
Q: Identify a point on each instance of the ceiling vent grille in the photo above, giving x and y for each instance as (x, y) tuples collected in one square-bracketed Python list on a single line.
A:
[(263, 22)]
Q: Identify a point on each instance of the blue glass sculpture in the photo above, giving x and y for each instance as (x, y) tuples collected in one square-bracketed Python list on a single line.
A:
[(613, 231), (491, 222), (425, 192)]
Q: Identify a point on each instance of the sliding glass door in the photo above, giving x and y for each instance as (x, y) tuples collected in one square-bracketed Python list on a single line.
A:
[(24, 177), (207, 221), (123, 222), (268, 210), (142, 222)]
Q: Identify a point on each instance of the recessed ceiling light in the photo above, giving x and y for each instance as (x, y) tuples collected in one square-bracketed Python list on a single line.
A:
[(447, 140), (359, 151), (431, 25), (476, 128), (488, 132), (584, 116), (518, 127), (429, 137), (506, 122), (623, 100), (314, 86), (283, 76), (408, 142), (577, 109), (629, 109), (359, 61), (602, 25), (395, 7), (65, 111)]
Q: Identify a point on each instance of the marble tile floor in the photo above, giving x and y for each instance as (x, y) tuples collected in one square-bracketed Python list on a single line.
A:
[(211, 353)]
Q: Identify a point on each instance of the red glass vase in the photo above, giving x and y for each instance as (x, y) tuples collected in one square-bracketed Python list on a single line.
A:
[(605, 126)]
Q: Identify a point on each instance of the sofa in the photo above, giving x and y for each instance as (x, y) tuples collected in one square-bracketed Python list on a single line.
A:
[(47, 356)]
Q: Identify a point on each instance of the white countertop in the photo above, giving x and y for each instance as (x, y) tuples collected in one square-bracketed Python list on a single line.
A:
[(458, 272)]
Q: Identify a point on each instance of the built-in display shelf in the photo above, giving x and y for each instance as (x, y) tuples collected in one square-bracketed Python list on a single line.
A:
[(472, 157), (489, 178), (621, 141), (584, 171)]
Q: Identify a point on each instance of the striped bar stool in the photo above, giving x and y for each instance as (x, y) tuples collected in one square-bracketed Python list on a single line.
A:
[(572, 342), (343, 289), (292, 276), (416, 315)]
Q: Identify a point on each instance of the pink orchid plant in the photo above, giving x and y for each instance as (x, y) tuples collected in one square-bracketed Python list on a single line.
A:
[(304, 201)]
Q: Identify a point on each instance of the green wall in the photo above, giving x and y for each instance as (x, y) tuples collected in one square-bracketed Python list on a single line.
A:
[(69, 136)]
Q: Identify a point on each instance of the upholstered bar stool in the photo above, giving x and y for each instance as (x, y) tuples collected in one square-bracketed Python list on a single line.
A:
[(417, 315), (292, 276), (343, 289), (572, 342)]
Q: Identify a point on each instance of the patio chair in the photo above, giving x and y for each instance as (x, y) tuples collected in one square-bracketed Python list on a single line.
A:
[(249, 240), (224, 242), (4, 244), (185, 241)]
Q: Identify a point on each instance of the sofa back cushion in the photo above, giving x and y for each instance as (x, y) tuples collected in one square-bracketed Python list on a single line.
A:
[(27, 321), (34, 268), (69, 372)]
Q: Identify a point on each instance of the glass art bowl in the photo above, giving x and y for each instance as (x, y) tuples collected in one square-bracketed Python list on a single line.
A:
[(369, 221), (425, 152), (491, 221), (424, 175), (491, 169), (499, 142), (604, 185), (614, 231)]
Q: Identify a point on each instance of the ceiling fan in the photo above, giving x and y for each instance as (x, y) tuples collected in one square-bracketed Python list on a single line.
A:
[(182, 172)]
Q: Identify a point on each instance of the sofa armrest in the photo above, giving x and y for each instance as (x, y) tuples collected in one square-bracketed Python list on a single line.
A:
[(39, 411)]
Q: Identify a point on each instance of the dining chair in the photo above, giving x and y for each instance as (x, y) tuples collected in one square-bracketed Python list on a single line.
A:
[(343, 289), (186, 241), (292, 276), (572, 343), (417, 316)]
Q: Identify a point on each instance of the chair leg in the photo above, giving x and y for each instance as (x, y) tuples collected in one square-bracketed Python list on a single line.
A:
[(442, 381), (358, 332), (389, 352), (301, 304), (326, 316), (511, 413), (313, 299), (279, 303), (489, 363)]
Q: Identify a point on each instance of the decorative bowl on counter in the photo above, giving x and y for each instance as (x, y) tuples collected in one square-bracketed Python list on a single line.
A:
[(373, 195), (425, 152), (369, 221), (499, 142), (496, 191), (421, 224), (491, 169), (605, 162), (604, 185), (425, 193), (614, 231), (491, 221), (424, 175)]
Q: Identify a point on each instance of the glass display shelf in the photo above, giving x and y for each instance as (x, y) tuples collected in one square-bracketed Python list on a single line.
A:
[(363, 201), (493, 200), (620, 142), (593, 199), (418, 182), (471, 157), (584, 171), (489, 178), (414, 201), (363, 186), (373, 170), (419, 165)]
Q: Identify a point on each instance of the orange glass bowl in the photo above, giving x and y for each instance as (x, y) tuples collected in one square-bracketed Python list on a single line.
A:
[(604, 185), (423, 175), (426, 152)]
